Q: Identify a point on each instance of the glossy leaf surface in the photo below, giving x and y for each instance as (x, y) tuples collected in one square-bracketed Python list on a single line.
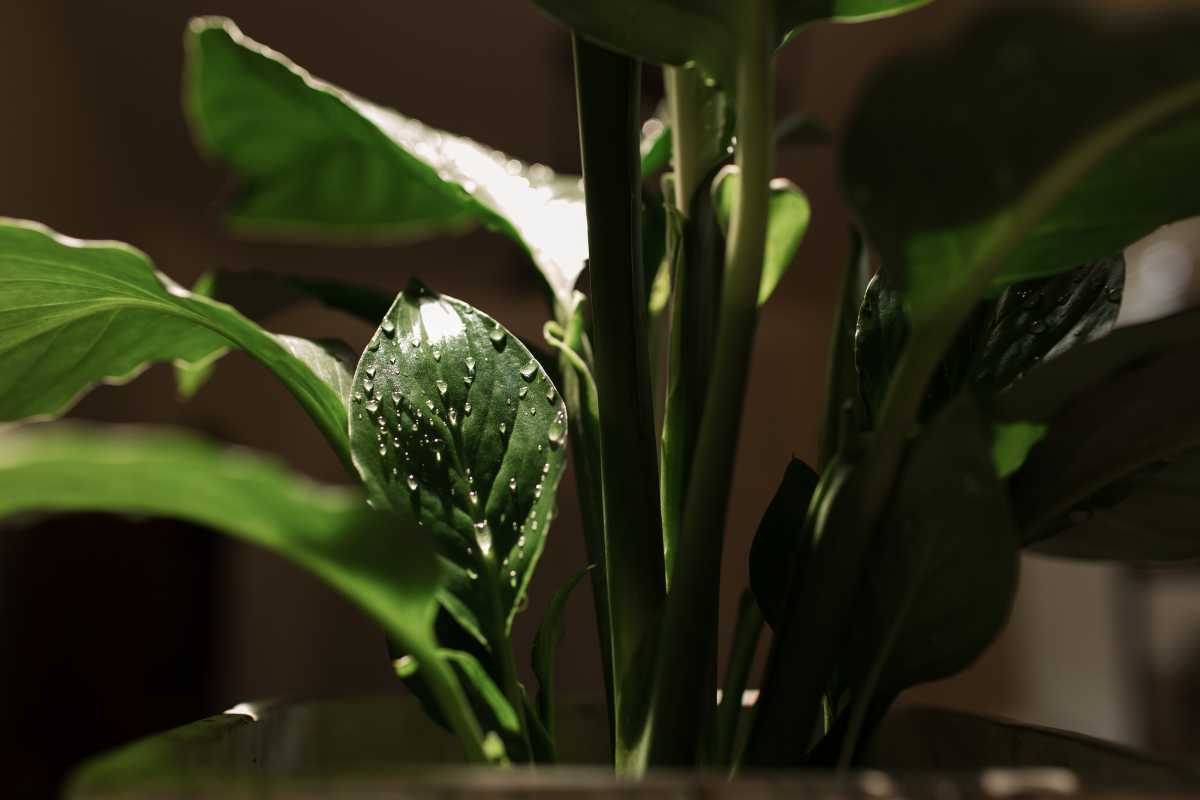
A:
[(316, 162), (779, 549), (73, 314), (1029, 322), (960, 191), (384, 566), (456, 426), (789, 215)]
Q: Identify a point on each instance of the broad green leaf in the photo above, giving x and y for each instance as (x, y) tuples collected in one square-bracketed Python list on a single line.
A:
[(920, 739), (455, 425), (788, 221), (780, 550), (316, 162), (677, 32), (1011, 443), (73, 314), (939, 581), (1035, 142), (545, 647), (386, 567), (1029, 322)]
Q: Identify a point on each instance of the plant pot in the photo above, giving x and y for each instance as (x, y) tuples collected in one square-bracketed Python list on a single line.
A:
[(385, 747)]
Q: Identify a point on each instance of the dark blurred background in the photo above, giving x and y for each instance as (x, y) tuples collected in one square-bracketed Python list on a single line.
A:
[(111, 629)]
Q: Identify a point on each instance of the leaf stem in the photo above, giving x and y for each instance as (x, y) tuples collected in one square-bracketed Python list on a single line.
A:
[(687, 650), (453, 703), (607, 92), (741, 658)]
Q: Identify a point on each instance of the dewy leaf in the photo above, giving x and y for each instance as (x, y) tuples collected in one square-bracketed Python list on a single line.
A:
[(387, 568), (545, 645), (73, 314), (789, 214), (1029, 322), (1038, 141), (314, 161), (455, 425), (779, 549)]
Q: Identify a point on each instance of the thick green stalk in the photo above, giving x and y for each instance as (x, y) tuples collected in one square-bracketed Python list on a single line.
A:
[(687, 651), (685, 103), (607, 91)]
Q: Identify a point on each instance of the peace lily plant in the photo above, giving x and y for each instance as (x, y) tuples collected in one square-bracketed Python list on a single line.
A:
[(978, 401)]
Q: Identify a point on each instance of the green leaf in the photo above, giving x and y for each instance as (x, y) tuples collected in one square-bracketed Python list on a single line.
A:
[(387, 568), (789, 214), (455, 425), (1037, 141), (189, 377), (545, 646), (930, 739), (939, 581), (655, 146), (1011, 443), (1118, 474), (780, 550), (677, 32), (73, 314), (791, 15), (1029, 322), (484, 688), (316, 162)]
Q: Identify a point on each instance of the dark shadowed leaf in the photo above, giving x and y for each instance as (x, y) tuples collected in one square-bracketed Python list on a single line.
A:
[(73, 314), (1118, 474), (316, 162), (1035, 142), (779, 549), (940, 577), (388, 568), (456, 426)]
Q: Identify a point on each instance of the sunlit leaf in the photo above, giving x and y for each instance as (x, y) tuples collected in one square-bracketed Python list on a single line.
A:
[(73, 314), (316, 162), (789, 214)]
